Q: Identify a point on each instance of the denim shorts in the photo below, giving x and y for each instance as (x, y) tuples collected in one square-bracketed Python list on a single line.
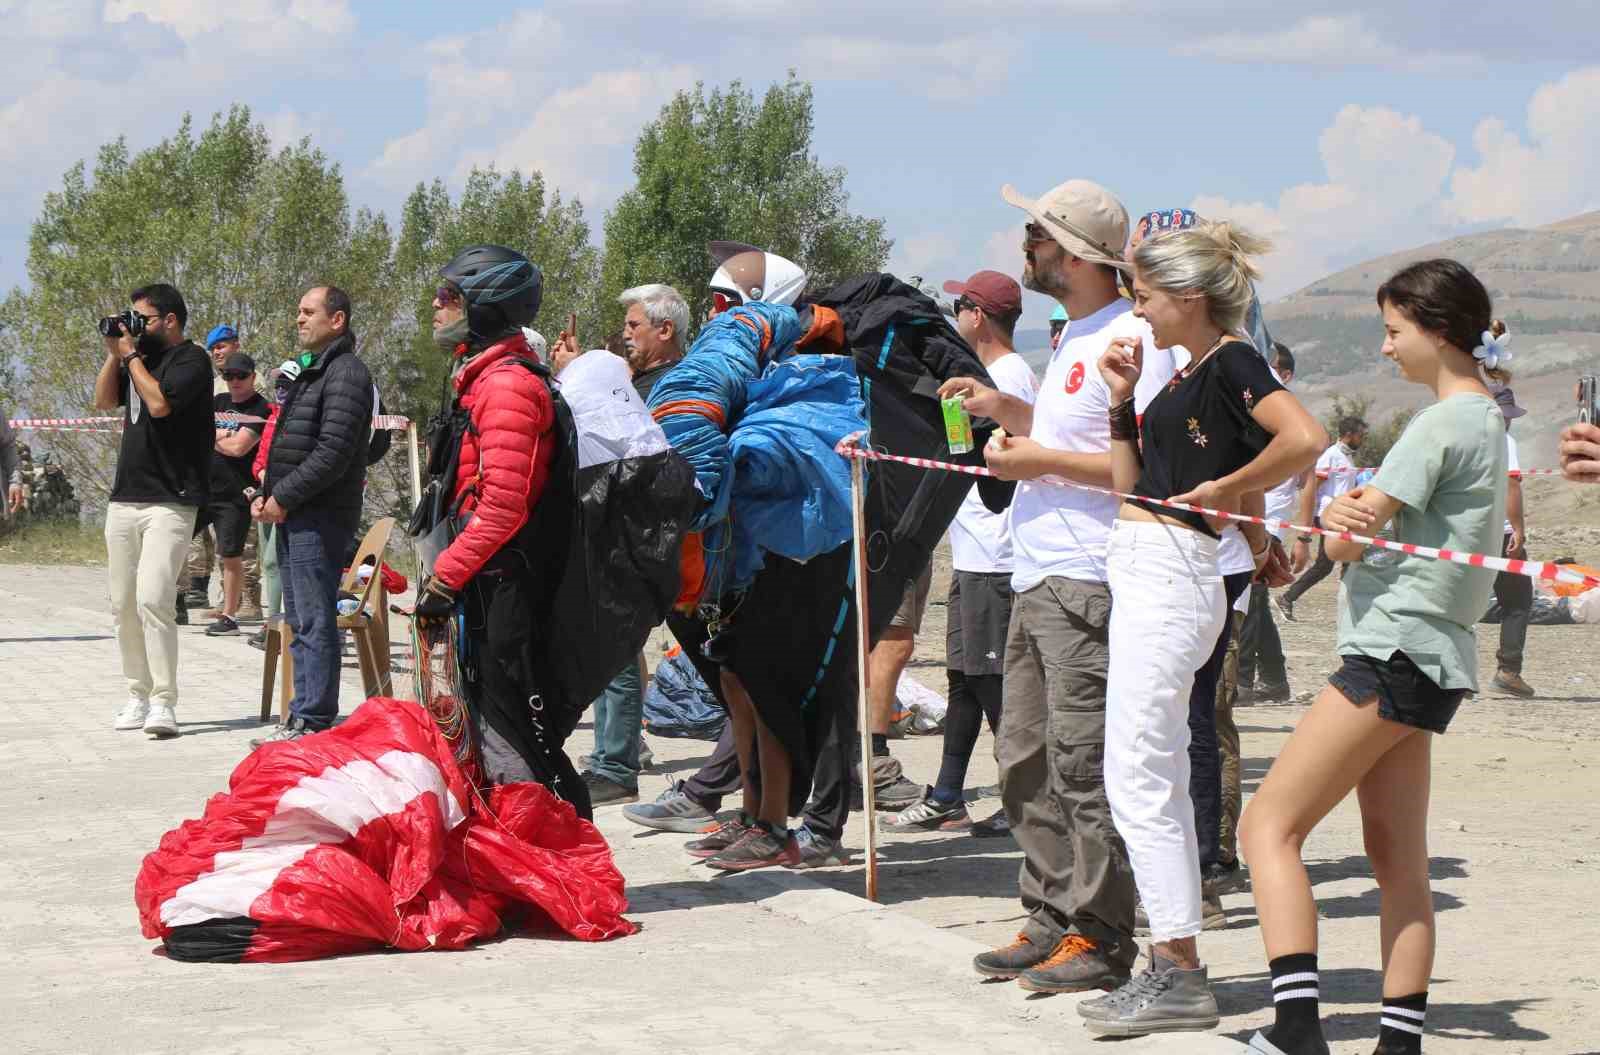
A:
[(1404, 693)]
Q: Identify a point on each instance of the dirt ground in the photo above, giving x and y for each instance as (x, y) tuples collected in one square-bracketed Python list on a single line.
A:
[(1514, 837)]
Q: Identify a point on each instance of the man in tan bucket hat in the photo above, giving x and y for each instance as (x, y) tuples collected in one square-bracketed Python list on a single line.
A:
[(1076, 882)]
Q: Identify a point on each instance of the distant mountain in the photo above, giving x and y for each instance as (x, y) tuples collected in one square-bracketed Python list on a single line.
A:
[(1545, 283)]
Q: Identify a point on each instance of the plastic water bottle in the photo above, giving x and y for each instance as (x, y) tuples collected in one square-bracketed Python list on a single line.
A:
[(1378, 558), (349, 605)]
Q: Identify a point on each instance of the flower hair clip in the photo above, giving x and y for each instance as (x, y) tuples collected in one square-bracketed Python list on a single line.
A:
[(1494, 351)]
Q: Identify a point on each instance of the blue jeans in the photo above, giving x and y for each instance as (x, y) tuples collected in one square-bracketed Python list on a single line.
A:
[(617, 732), (311, 547)]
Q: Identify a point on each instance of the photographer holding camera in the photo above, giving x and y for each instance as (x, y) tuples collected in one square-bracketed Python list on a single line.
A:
[(162, 481)]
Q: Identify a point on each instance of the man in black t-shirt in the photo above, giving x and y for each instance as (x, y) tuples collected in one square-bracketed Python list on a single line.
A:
[(163, 478), (228, 511)]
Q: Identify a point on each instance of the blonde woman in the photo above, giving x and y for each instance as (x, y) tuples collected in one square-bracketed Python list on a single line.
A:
[(1223, 427)]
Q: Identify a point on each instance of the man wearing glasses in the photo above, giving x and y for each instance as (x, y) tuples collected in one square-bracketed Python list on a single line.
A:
[(228, 511), (163, 478)]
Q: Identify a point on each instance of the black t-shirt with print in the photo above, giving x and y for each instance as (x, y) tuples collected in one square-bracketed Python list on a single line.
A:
[(167, 459), (231, 475), (1200, 427)]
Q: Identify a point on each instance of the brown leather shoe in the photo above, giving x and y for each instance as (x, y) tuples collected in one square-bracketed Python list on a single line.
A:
[(1511, 681), (1077, 963), (1008, 961)]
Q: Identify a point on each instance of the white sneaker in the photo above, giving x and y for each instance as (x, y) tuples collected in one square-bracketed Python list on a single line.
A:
[(132, 715), (162, 723)]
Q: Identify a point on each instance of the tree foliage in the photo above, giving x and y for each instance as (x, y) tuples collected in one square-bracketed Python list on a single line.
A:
[(719, 165), (1380, 435)]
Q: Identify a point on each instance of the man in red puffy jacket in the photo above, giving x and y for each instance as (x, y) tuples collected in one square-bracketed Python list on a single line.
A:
[(502, 426)]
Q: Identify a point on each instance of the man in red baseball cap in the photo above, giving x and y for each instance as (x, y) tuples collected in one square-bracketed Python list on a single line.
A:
[(997, 296)]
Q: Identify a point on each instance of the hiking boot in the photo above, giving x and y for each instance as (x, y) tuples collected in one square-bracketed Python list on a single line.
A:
[(1222, 879), (817, 851), (720, 838), (1160, 999), (1008, 961), (995, 826), (1077, 963), (1277, 692), (250, 610), (258, 639), (181, 612), (1285, 607), (672, 811), (223, 627), (133, 714), (890, 788), (1212, 917), (161, 723), (761, 847), (931, 815), (293, 729), (606, 792), (1510, 681)]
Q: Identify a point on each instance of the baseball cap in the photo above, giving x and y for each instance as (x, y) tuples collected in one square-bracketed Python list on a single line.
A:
[(995, 293), (239, 361), (1085, 218), (220, 333), (289, 371)]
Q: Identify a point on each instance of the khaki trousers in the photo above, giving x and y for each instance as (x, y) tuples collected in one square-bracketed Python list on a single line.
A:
[(1075, 875), (145, 547)]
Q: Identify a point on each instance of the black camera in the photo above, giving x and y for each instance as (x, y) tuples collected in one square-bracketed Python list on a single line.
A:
[(127, 322)]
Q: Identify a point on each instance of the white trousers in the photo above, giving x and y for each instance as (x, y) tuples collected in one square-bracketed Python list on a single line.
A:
[(1167, 608), (146, 543)]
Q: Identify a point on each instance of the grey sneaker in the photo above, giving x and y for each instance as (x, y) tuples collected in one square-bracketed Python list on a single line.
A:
[(817, 851), (223, 627), (760, 848), (931, 815), (606, 792), (1077, 963), (1008, 961), (672, 811), (1160, 999), (890, 788), (720, 838), (293, 729), (995, 826)]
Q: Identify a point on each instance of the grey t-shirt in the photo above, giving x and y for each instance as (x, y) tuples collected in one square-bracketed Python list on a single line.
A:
[(1449, 470)]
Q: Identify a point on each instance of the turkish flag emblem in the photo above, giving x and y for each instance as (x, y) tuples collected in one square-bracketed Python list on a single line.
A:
[(1075, 378)]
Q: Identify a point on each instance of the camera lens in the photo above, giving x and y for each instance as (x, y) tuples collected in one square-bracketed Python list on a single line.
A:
[(111, 326)]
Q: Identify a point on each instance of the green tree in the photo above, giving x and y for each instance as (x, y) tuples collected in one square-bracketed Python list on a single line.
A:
[(722, 166), (240, 230), (1380, 435), (506, 209)]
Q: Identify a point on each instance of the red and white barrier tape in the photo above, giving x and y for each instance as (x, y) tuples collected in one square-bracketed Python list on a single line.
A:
[(381, 421), (1323, 474), (1533, 569)]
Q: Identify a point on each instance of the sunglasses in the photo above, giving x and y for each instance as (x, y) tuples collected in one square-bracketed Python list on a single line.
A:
[(1033, 234), (963, 304), (447, 295), (234, 375), (721, 302)]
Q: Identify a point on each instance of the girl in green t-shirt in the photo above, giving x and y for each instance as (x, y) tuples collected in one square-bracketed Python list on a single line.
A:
[(1406, 643)]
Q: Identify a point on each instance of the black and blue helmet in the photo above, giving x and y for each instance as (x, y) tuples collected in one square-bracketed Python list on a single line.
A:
[(501, 287)]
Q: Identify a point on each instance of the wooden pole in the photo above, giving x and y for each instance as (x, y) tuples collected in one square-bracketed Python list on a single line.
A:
[(858, 507), (416, 462)]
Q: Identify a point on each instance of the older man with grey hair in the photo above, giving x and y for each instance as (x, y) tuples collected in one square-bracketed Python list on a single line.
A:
[(655, 333)]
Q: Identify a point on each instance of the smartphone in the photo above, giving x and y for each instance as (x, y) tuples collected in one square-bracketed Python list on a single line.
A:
[(1588, 400)]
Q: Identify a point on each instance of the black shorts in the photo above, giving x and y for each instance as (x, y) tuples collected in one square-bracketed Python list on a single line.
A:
[(1404, 693), (976, 622), (232, 521)]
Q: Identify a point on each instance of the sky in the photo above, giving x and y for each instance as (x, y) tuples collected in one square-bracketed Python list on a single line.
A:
[(1340, 131)]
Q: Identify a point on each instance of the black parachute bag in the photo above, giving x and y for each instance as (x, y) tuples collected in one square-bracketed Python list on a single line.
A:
[(905, 348)]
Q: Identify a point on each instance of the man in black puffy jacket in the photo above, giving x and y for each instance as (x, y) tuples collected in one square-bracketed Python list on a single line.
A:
[(312, 487)]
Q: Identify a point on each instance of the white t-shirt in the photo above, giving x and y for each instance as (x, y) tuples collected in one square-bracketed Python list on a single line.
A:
[(981, 540), (1059, 530), (1333, 460), (1512, 465)]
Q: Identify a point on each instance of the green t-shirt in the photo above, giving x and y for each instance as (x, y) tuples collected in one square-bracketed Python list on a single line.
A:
[(1449, 470)]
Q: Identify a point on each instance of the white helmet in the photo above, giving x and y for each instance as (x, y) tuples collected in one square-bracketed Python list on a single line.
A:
[(752, 274)]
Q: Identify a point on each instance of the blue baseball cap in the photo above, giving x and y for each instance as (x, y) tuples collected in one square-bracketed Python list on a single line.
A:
[(221, 333)]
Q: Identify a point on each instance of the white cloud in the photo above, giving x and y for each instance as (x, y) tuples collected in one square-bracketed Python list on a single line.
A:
[(1320, 40), (252, 25), (1551, 175), (929, 254)]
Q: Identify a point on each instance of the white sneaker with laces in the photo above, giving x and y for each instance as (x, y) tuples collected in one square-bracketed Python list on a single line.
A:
[(133, 714), (162, 723)]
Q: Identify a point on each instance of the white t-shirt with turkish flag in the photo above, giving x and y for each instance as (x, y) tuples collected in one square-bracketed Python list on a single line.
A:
[(980, 541), (1059, 530)]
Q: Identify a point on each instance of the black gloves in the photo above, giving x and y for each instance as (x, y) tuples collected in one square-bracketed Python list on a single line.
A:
[(435, 600)]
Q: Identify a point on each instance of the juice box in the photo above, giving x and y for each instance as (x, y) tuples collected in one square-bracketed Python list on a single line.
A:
[(957, 424)]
